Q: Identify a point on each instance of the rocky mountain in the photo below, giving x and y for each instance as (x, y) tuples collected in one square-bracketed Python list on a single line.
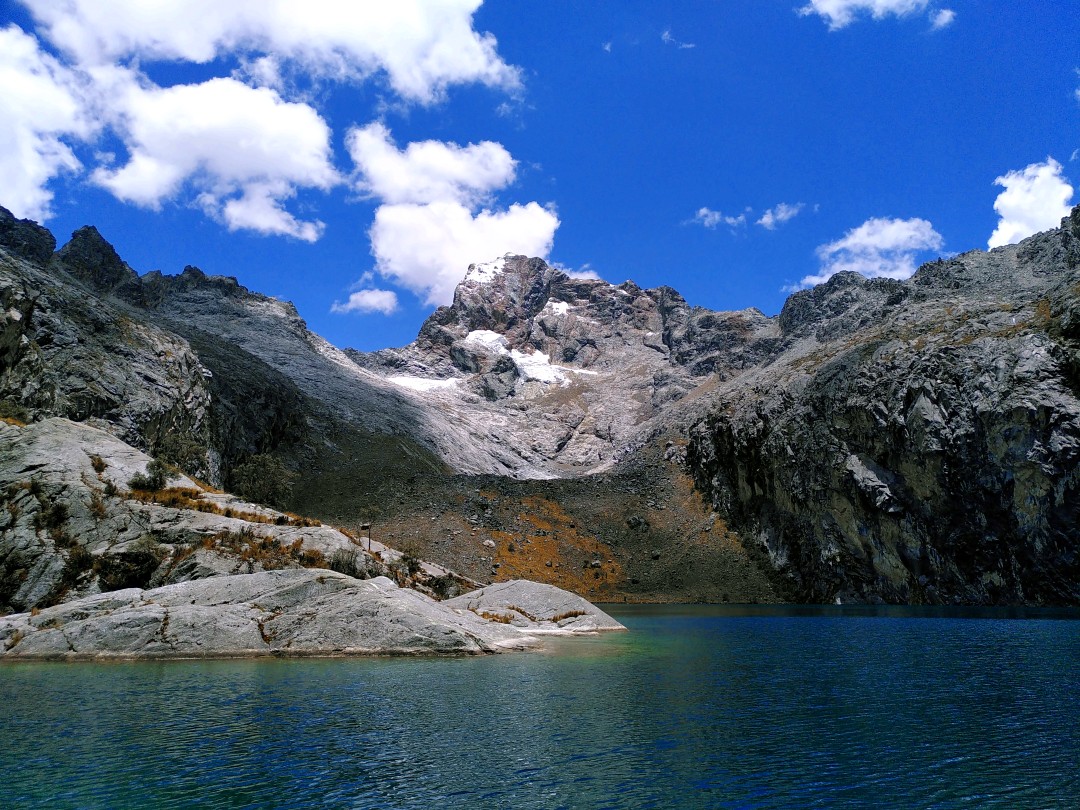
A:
[(877, 441), (915, 441)]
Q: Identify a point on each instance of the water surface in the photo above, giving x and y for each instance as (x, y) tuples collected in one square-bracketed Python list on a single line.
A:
[(695, 707)]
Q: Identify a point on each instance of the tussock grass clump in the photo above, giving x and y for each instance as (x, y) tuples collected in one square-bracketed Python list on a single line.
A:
[(347, 561), (190, 498), (269, 552), (97, 505)]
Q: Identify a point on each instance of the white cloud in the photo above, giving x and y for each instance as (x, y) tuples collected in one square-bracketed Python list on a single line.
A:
[(259, 208), (236, 142), (40, 103), (668, 39), (365, 301), (245, 149), (583, 273), (436, 216), (428, 248), (1035, 199), (427, 171), (779, 214), (879, 248), (942, 18), (841, 13), (422, 46), (710, 219)]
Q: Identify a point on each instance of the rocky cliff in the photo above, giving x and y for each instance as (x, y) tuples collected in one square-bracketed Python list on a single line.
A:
[(915, 441)]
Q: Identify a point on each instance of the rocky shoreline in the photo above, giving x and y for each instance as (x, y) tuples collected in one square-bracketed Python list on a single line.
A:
[(287, 613)]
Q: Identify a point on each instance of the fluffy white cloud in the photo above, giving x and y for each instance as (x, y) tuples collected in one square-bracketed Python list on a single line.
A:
[(245, 149), (427, 171), (428, 248), (260, 208), (710, 219), (583, 273), (236, 142), (436, 218), (840, 13), (422, 46), (779, 214), (365, 301), (1035, 199), (41, 102), (879, 248)]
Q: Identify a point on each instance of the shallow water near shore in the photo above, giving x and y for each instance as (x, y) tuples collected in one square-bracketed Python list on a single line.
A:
[(697, 706)]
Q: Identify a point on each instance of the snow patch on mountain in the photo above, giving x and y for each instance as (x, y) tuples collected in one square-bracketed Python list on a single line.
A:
[(486, 271), (537, 366), (492, 341), (421, 383)]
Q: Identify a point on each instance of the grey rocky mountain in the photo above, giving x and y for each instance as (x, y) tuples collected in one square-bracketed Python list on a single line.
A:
[(879, 440), (916, 441)]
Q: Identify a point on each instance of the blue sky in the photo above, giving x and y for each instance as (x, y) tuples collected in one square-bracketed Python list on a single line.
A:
[(354, 158)]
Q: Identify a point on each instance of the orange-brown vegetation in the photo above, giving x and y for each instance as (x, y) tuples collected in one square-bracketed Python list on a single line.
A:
[(189, 498), (551, 535)]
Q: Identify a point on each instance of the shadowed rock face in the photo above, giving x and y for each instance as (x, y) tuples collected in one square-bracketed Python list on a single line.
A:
[(916, 441), (25, 239), (878, 440)]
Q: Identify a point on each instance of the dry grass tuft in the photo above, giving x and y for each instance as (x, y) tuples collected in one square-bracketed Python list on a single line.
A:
[(189, 498)]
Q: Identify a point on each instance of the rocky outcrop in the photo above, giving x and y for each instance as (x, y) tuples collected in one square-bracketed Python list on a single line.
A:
[(115, 564), (72, 525), (918, 441), (67, 351), (25, 239), (535, 608), (281, 613)]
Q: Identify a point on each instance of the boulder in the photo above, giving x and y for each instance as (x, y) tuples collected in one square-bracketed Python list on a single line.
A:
[(535, 608)]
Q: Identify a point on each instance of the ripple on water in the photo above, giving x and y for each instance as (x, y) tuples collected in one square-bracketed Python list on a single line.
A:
[(693, 708)]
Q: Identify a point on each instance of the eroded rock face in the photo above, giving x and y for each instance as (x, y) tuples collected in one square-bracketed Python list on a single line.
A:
[(916, 441), (67, 351), (271, 613)]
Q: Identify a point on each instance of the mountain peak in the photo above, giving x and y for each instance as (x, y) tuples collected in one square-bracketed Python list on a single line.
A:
[(26, 238)]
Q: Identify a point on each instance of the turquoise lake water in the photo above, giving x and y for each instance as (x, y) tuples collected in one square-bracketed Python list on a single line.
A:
[(695, 707)]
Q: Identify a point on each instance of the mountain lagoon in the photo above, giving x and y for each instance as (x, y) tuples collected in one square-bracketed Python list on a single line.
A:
[(697, 706)]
